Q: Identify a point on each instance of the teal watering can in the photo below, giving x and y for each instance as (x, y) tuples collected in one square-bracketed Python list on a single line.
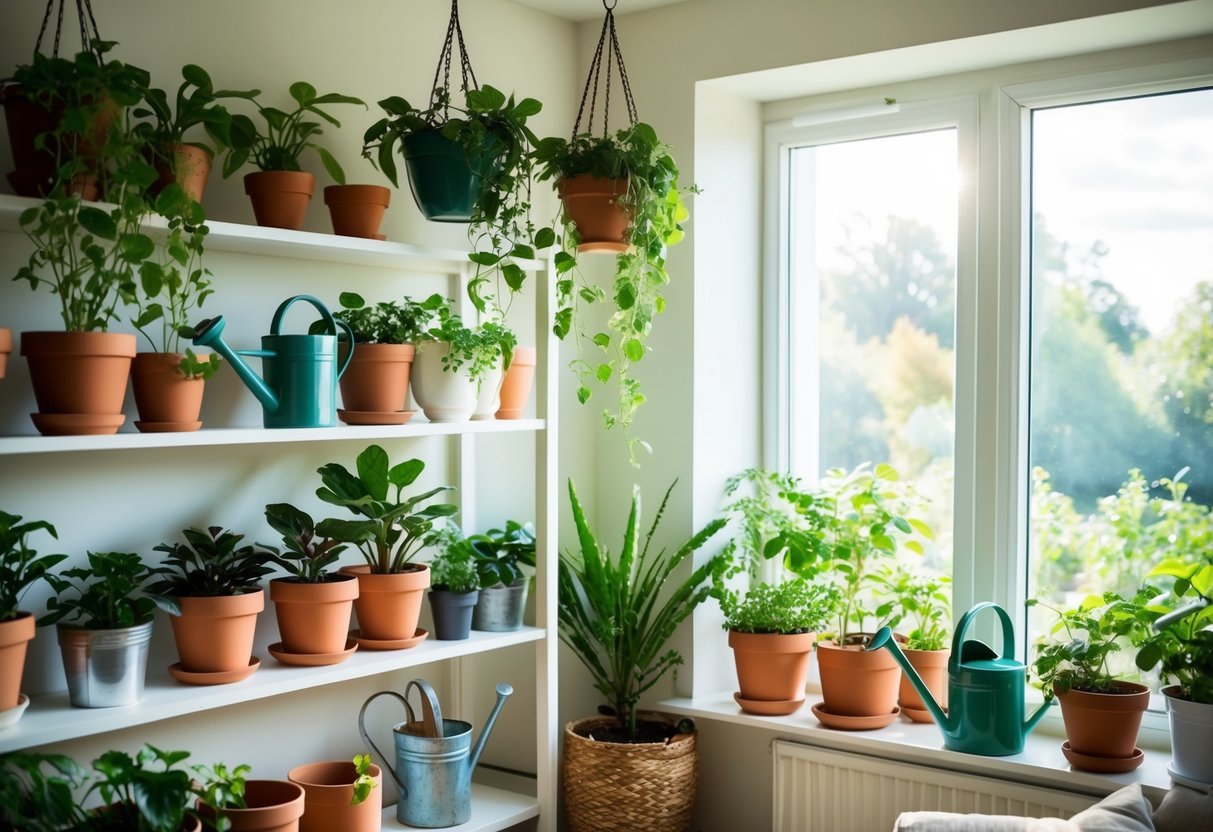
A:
[(985, 691), (301, 372)]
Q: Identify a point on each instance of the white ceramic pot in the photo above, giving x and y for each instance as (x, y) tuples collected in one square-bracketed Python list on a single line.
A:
[(443, 396), (489, 398), (1191, 737)]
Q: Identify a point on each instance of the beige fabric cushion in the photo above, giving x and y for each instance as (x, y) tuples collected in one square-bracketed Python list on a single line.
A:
[(1126, 810), (1184, 810)]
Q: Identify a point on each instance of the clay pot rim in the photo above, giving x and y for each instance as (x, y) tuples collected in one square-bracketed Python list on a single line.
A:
[(290, 590), (357, 195), (587, 184), (271, 181), (63, 342), (18, 629), (303, 774)]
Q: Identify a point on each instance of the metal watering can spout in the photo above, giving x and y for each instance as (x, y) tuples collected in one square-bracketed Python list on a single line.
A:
[(503, 692), (884, 638), (209, 333)]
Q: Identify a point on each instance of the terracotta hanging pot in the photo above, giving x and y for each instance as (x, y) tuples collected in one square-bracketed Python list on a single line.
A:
[(15, 636), (1103, 725), (516, 388), (6, 347), (328, 789), (215, 634), (189, 165), (855, 683), (592, 203), (772, 670), (280, 197), (374, 385), (167, 401), (34, 167), (443, 396), (79, 380), (314, 618), (932, 667), (357, 210), (273, 806), (388, 606)]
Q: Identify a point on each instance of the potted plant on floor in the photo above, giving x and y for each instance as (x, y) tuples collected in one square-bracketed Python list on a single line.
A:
[(501, 555), (455, 585), (312, 604), (20, 568), (925, 601), (1102, 713), (280, 189), (388, 530), (340, 795), (617, 614), (457, 369), (215, 582), (104, 625)]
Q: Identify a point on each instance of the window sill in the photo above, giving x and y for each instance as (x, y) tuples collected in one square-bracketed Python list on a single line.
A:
[(1041, 762)]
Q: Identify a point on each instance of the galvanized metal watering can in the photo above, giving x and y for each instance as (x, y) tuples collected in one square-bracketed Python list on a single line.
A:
[(985, 691), (301, 372), (433, 764)]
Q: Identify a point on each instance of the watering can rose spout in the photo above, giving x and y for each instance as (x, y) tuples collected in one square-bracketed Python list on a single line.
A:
[(209, 333), (884, 638)]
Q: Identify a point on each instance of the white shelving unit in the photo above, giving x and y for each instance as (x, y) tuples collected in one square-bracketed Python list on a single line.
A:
[(51, 719)]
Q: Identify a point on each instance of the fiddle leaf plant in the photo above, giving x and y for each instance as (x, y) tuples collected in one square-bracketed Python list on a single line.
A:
[(108, 594), (307, 555), (20, 565)]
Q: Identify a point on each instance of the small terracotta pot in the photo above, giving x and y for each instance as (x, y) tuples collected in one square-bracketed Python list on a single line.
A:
[(189, 165), (592, 203), (377, 378), (932, 667), (1104, 724), (167, 401), (357, 210), (280, 197), (6, 346), (215, 634), (273, 806), (388, 606), (79, 379), (772, 667), (15, 636), (328, 789), (314, 618), (516, 388), (855, 682)]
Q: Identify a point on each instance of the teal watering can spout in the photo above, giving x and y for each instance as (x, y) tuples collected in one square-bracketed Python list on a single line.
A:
[(209, 333), (503, 692), (1035, 718), (884, 638)]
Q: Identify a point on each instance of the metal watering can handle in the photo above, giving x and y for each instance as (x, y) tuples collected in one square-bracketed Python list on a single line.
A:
[(431, 711), (1008, 630), (366, 738), (330, 324)]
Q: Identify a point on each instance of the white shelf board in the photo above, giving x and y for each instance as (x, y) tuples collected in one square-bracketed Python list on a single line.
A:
[(50, 718), (492, 810), (35, 444)]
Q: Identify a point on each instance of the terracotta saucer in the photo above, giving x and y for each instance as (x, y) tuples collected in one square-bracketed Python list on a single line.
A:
[(312, 659), (389, 644), (853, 723), (9, 716), (1102, 765), (607, 248), (919, 714), (167, 427), (77, 424), (763, 707), (370, 417), (222, 677)]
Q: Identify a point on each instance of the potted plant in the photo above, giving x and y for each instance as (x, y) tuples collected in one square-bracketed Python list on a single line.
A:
[(215, 582), (20, 567), (227, 800), (340, 795), (6, 347), (926, 602), (457, 370), (312, 604), (105, 625), (280, 189), (500, 555), (455, 585), (388, 530), (516, 386), (37, 792), (617, 614), (621, 195), (771, 631), (1102, 713), (138, 797)]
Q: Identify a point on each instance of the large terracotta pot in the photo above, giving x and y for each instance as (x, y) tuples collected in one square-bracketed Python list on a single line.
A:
[(388, 606), (273, 806), (932, 667), (280, 197), (6, 347), (357, 210), (443, 396), (592, 203), (855, 682), (516, 387), (215, 634), (1103, 724), (79, 379), (189, 165), (167, 401), (15, 636), (328, 789), (314, 617), (772, 668), (375, 382)]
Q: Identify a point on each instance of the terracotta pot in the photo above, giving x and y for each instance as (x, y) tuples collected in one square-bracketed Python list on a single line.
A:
[(34, 171), (167, 401), (1104, 724), (189, 165), (377, 378), (15, 636), (280, 197), (357, 210), (79, 379), (388, 606), (592, 203), (622, 787), (932, 666), (273, 806), (443, 396), (772, 667), (328, 789), (215, 634), (516, 387), (314, 618), (6, 346), (855, 682)]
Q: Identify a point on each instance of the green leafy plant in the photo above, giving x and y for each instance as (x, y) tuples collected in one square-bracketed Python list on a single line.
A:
[(617, 614), (221, 788), (761, 515), (37, 792), (471, 351), (20, 565), (793, 606), (454, 566), (1182, 640), (653, 201), (108, 595), (391, 529), (195, 105), (210, 563), (364, 782), (500, 554), (386, 322), (924, 600), (286, 134), (306, 555), (137, 795)]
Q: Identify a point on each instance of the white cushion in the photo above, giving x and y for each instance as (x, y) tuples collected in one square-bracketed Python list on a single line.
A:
[(1126, 810)]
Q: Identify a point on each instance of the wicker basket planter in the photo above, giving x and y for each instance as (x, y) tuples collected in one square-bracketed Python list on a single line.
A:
[(623, 787)]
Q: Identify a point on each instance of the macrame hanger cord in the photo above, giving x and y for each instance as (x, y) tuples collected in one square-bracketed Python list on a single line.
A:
[(454, 35), (594, 77), (85, 18)]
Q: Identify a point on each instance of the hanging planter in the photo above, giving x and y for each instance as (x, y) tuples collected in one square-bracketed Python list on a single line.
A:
[(444, 179)]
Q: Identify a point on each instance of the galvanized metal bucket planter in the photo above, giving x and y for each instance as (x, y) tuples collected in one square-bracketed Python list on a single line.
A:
[(500, 607), (104, 668)]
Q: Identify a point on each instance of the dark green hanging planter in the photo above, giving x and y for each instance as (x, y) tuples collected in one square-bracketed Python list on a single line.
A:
[(444, 181)]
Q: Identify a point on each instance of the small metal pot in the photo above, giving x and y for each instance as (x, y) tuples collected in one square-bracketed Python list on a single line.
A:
[(500, 607), (104, 668)]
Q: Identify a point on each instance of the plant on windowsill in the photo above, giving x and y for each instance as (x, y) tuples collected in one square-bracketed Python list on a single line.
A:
[(455, 585), (457, 372), (503, 558), (924, 601)]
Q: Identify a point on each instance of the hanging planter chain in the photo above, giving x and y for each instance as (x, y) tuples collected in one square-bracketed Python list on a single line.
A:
[(88, 26), (594, 77), (454, 32)]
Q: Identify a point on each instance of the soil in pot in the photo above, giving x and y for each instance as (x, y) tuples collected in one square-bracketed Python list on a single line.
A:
[(215, 634), (167, 401), (375, 382), (79, 379), (1104, 724), (314, 617), (855, 683), (357, 210), (516, 387), (592, 203), (388, 606), (280, 197), (15, 636), (328, 789), (772, 667)]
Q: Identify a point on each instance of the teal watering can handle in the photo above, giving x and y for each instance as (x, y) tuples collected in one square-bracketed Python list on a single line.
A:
[(349, 355), (367, 739), (330, 324), (1008, 630), (431, 711)]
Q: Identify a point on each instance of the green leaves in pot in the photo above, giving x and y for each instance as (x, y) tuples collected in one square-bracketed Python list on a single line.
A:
[(307, 555), (386, 322), (109, 594), (209, 563), (793, 606), (20, 565)]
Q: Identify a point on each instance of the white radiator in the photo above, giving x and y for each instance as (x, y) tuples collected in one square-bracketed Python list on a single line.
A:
[(818, 790)]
